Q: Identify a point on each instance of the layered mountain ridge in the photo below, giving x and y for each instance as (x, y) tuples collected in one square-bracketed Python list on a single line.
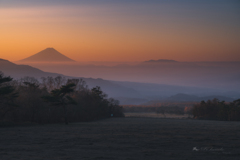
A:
[(126, 92)]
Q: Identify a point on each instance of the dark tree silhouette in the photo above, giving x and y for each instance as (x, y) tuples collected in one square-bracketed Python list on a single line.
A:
[(7, 95), (5, 89), (61, 97), (31, 99), (98, 93), (59, 93), (216, 110)]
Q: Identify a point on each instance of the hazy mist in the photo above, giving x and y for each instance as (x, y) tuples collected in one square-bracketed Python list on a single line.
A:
[(220, 75)]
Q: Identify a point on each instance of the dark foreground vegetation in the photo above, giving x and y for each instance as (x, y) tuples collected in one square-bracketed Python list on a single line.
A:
[(124, 139), (53, 100), (216, 110)]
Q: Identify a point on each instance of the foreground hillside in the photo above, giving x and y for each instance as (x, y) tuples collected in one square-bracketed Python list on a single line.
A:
[(124, 138)]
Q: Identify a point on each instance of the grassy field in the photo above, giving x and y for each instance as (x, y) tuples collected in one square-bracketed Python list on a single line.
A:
[(156, 115), (123, 138)]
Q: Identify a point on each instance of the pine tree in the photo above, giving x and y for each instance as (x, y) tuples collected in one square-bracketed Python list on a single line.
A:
[(61, 97), (7, 95)]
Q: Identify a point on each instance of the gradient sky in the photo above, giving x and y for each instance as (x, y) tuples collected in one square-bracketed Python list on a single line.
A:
[(122, 30)]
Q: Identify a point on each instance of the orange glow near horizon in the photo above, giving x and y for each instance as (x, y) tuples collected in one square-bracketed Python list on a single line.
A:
[(98, 33)]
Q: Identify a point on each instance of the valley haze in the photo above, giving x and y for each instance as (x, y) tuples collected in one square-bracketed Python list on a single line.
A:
[(141, 82)]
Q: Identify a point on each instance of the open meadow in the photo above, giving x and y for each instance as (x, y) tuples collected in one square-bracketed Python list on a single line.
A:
[(123, 138)]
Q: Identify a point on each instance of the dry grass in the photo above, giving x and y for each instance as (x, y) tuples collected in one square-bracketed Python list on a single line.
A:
[(122, 138), (156, 115)]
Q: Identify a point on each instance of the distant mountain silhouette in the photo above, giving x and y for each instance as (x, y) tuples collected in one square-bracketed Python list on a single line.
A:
[(126, 92), (47, 55), (192, 98), (183, 97), (20, 71), (160, 60)]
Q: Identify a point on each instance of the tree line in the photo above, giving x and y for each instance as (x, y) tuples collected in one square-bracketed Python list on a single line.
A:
[(217, 110), (53, 100)]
